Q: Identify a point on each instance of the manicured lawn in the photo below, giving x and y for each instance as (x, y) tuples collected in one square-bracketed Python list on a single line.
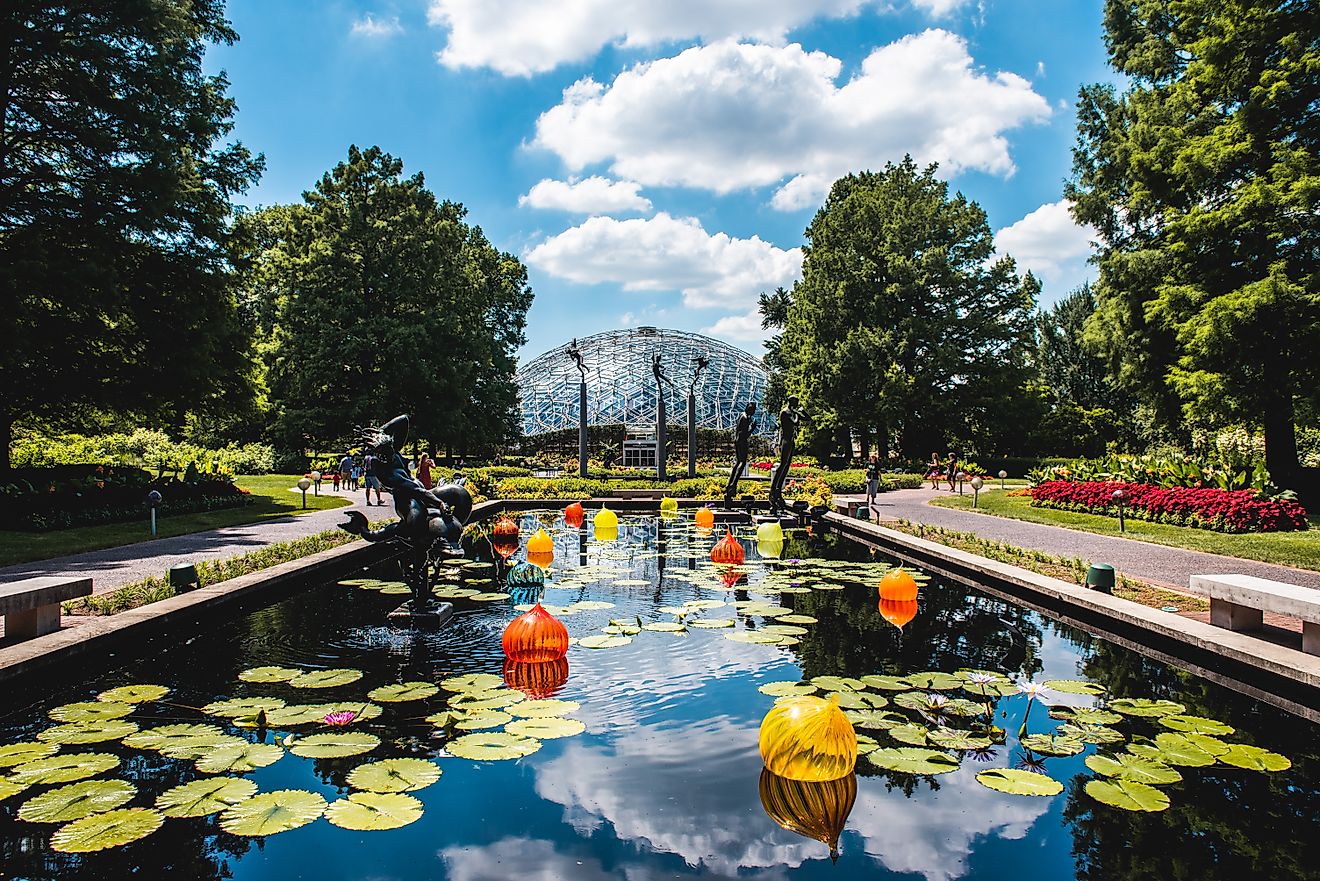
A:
[(1300, 549), (271, 498)]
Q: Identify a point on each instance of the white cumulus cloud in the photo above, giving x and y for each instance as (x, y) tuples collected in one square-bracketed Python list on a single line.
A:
[(1053, 246), (664, 253), (594, 195), (939, 8), (370, 26), (742, 328), (732, 116)]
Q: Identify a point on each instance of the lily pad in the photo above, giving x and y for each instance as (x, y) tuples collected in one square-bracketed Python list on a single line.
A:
[(9, 789), (489, 596), (1052, 744), (1253, 758), (796, 619), (403, 691), (374, 811), (886, 683), (665, 627), (238, 758), (604, 641), (1095, 734), (334, 746), (838, 683), (912, 760), (1192, 724), (161, 736), (936, 681), (491, 699), (140, 693), (490, 746), (1172, 749), (1016, 782), (756, 637), (712, 623), (785, 629), (849, 700), (913, 734), (77, 800), (954, 738), (193, 748), (88, 732), (1134, 768), (91, 711), (786, 689), (478, 719), (269, 674), (546, 707), (22, 753), (242, 706), (545, 728), (1145, 707), (325, 678), (394, 775), (63, 768), (272, 812), (102, 831), (1213, 745), (1086, 716), (203, 797), (1074, 686), (1127, 795), (594, 605), (878, 719)]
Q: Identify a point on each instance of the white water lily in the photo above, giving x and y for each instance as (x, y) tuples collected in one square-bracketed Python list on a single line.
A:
[(1032, 690)]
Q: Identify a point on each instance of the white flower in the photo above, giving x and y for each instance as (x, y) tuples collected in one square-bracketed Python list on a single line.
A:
[(982, 678), (1031, 689)]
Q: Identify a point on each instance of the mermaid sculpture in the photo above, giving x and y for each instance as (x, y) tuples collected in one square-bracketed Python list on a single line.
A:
[(429, 519)]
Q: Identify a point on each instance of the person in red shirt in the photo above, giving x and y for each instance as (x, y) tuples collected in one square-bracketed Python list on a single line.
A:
[(424, 470)]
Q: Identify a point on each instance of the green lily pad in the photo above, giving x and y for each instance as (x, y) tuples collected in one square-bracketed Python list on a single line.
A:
[(1145, 707), (22, 753), (325, 678), (1052, 744), (489, 596), (478, 719), (916, 700), (9, 789), (77, 800), (911, 760), (796, 619), (242, 706), (91, 711), (838, 683), (784, 629), (446, 718), (961, 706), (203, 797), (954, 738), (1016, 782), (935, 680), (604, 641), (878, 719), (664, 627), (403, 691), (1127, 795), (162, 736), (338, 745), (849, 700), (1192, 724), (491, 699), (134, 694), (269, 674), (594, 605), (394, 775), (88, 732), (1095, 734), (314, 714), (913, 734), (1074, 686), (272, 812), (1173, 749), (705, 604), (1133, 768), (490, 746), (545, 728), (1253, 758), (886, 683), (546, 707), (102, 831), (786, 689), (374, 811), (62, 768), (712, 623), (1085, 716), (238, 758)]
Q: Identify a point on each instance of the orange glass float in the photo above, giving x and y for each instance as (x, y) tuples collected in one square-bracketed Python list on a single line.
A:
[(731, 575), (815, 810), (728, 550), (898, 584), (537, 680), (898, 612), (574, 515), (705, 518), (535, 637), (543, 559), (505, 527), (807, 738)]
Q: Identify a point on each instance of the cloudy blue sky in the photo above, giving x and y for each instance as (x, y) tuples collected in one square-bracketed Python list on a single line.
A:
[(657, 162)]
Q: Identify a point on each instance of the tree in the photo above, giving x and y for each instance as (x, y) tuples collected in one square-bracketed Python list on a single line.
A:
[(1203, 182), (383, 301), (114, 212), (902, 322)]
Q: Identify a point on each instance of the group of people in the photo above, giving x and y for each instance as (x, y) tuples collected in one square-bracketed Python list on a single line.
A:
[(937, 470), (358, 472)]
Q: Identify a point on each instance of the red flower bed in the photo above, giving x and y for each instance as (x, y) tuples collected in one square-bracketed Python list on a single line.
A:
[(1237, 511)]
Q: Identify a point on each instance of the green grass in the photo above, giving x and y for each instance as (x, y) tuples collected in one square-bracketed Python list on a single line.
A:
[(271, 498), (1300, 549)]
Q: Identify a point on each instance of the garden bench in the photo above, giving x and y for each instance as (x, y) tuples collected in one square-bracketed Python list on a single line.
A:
[(32, 607), (1238, 602)]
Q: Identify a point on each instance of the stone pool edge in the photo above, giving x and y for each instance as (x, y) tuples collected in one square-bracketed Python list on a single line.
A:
[(1283, 677)]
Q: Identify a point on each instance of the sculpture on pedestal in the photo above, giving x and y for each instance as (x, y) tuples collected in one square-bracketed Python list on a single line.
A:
[(429, 519), (576, 354), (789, 418), (660, 412), (702, 362), (742, 437)]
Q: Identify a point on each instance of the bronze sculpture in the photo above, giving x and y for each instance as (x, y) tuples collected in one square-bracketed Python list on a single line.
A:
[(789, 418), (742, 436), (429, 519)]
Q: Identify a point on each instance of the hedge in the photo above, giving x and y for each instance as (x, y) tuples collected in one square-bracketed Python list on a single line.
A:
[(1217, 509)]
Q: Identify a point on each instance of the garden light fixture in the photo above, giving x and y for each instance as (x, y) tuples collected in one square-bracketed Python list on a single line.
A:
[(977, 483), (1119, 497), (1002, 475), (304, 484)]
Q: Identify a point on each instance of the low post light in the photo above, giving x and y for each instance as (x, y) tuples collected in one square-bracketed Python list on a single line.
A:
[(1119, 497), (304, 484), (962, 475), (316, 482), (977, 483), (1002, 475)]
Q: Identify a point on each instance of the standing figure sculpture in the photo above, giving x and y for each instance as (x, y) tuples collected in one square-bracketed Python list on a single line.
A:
[(742, 437), (576, 354), (660, 412), (789, 418), (429, 519), (702, 362)]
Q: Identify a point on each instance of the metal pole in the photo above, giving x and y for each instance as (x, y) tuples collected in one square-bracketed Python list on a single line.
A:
[(692, 435), (660, 436), (582, 429), (153, 520)]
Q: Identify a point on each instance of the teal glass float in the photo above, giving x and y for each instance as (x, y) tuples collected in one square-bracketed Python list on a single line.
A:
[(525, 575)]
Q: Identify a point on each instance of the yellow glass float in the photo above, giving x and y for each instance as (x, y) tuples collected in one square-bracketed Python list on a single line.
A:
[(770, 532), (816, 810), (807, 738), (770, 550), (606, 519), (668, 507)]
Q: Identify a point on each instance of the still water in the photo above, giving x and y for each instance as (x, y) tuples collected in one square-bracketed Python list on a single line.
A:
[(666, 780)]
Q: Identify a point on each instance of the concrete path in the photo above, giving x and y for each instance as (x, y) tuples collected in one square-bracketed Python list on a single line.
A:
[(1156, 564), (115, 567)]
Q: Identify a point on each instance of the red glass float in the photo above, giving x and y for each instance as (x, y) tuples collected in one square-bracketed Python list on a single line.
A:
[(506, 546), (898, 612), (898, 584), (505, 527), (538, 680), (535, 636), (727, 550), (574, 516), (731, 575)]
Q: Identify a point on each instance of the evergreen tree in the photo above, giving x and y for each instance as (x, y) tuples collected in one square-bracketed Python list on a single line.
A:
[(114, 212), (1203, 181)]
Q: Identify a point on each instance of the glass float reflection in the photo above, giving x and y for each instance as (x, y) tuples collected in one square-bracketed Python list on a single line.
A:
[(814, 809)]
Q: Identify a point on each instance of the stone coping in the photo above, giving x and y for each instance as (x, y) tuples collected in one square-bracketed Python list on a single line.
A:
[(1282, 676)]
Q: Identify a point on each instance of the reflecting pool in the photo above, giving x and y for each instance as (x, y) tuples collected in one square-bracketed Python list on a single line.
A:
[(639, 759)]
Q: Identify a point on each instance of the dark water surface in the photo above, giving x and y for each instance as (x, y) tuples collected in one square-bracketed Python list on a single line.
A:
[(664, 783)]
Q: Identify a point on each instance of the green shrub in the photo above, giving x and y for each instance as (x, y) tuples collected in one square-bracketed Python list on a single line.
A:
[(550, 488), (147, 448)]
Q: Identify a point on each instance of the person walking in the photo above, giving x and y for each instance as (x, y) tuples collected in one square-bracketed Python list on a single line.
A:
[(952, 473), (934, 470), (424, 464), (872, 481), (346, 471), (371, 482)]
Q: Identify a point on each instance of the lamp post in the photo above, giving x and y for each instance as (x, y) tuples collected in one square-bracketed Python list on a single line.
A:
[(304, 484), (316, 482), (977, 483), (154, 500), (1002, 475), (1119, 497)]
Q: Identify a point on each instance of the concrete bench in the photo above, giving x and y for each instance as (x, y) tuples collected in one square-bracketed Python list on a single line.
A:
[(1238, 602), (32, 607)]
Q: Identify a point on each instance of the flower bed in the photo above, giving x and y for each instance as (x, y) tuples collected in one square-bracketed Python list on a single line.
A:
[(1217, 509)]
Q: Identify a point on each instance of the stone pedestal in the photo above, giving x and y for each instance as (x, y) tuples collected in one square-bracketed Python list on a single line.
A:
[(434, 614)]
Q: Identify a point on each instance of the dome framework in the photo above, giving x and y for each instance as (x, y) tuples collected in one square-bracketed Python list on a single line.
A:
[(621, 386)]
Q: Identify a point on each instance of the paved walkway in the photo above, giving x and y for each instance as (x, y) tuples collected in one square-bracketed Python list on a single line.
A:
[(1156, 564), (115, 567)]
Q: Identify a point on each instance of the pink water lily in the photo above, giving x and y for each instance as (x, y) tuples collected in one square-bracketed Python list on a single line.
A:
[(339, 717)]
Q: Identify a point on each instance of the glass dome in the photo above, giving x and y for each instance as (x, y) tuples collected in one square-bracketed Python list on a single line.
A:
[(621, 386)]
